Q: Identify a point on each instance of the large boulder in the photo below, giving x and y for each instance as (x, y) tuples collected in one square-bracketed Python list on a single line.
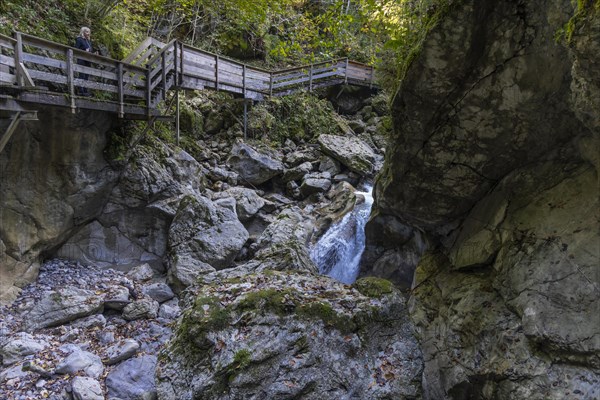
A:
[(206, 232), (283, 244), (133, 379), (253, 167), (247, 201), (352, 152), (62, 305), (291, 335), (17, 347)]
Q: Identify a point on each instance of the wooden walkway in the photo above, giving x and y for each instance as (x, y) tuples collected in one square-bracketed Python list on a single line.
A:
[(38, 71)]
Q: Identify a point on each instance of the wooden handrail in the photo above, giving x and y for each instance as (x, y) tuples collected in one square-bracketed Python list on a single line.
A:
[(137, 88)]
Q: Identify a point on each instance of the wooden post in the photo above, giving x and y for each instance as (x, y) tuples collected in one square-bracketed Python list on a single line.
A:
[(177, 114), (181, 63), (120, 88), (148, 92), (245, 119), (310, 78), (19, 59), (346, 78), (70, 79), (163, 63), (175, 63), (271, 85), (244, 81), (11, 129), (216, 72), (372, 77)]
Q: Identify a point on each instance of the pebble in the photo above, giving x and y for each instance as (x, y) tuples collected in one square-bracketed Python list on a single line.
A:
[(91, 336)]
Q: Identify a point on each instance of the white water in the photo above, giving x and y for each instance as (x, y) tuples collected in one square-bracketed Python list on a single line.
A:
[(338, 252)]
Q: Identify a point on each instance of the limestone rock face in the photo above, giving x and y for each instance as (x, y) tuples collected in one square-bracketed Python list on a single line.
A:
[(54, 178), (494, 162), (521, 275), (206, 232), (350, 151), (253, 167), (477, 103), (290, 335), (133, 227)]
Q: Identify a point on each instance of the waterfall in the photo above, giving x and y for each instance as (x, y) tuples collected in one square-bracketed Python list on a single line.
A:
[(338, 252)]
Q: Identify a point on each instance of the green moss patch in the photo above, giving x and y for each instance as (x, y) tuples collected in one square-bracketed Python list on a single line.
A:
[(374, 287)]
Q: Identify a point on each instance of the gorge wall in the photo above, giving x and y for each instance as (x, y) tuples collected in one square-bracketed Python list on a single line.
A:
[(490, 189), (53, 179)]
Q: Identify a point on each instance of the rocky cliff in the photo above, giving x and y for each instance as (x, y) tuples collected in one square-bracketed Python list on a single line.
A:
[(53, 179), (490, 189)]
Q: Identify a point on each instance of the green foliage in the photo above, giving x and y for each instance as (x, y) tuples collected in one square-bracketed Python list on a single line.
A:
[(242, 358), (585, 10), (301, 117)]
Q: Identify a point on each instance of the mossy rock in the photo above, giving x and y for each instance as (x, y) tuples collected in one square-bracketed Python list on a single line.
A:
[(374, 287)]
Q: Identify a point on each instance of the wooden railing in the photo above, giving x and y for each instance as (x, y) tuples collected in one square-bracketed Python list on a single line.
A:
[(135, 85)]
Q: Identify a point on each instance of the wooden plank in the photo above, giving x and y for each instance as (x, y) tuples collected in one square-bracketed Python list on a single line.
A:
[(42, 44), (228, 66), (47, 61), (202, 59), (7, 42), (167, 48), (11, 129), (25, 76), (217, 72), (201, 73), (193, 50), (8, 78), (326, 75), (191, 63), (137, 51), (280, 78), (164, 76), (6, 60), (332, 82), (192, 83), (95, 72), (290, 83)]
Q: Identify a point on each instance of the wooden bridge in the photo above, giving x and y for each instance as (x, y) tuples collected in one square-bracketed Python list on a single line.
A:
[(37, 71)]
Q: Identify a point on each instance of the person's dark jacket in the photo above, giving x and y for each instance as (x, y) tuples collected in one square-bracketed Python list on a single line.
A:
[(85, 45)]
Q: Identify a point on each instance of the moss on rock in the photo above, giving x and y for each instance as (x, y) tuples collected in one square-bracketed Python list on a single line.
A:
[(374, 287)]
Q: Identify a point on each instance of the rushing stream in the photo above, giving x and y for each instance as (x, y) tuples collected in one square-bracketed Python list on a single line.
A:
[(338, 252)]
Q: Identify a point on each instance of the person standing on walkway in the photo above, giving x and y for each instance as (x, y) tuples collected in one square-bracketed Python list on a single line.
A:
[(83, 42)]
